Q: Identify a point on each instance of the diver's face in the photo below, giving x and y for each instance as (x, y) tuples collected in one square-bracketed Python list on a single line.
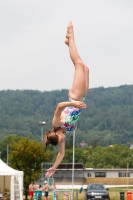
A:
[(61, 137)]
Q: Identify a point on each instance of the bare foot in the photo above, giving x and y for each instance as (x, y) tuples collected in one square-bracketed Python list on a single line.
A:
[(70, 33)]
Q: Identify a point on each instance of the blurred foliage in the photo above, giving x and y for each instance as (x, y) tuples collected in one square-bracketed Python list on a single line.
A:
[(5, 145), (27, 155), (108, 118), (116, 156)]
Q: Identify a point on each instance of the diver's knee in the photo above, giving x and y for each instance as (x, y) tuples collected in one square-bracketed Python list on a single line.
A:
[(86, 69)]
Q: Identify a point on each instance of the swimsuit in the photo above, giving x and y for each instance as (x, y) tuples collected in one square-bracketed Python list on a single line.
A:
[(31, 193), (72, 115), (46, 194)]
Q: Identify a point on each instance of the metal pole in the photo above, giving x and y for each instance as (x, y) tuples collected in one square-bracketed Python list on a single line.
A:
[(42, 124), (42, 133), (73, 164), (76, 195), (7, 154)]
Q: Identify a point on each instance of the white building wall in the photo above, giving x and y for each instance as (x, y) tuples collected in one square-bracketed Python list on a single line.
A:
[(131, 174), (79, 174), (68, 174), (91, 173), (112, 174)]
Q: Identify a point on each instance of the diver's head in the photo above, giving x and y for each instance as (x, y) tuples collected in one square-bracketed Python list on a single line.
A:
[(54, 136)]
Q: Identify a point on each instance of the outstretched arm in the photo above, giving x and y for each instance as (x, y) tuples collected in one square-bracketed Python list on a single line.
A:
[(58, 160)]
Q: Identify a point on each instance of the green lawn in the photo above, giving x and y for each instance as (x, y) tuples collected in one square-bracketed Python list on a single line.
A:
[(113, 192)]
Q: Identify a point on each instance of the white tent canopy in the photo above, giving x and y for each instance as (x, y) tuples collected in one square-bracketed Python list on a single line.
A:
[(12, 180)]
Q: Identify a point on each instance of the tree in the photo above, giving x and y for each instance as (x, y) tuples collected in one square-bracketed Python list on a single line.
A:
[(6, 141), (79, 156), (109, 110), (27, 155), (116, 156)]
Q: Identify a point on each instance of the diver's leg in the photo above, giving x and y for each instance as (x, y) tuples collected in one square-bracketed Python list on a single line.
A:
[(86, 79), (79, 85)]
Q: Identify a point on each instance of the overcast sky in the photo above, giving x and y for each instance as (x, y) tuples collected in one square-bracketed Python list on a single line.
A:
[(32, 50)]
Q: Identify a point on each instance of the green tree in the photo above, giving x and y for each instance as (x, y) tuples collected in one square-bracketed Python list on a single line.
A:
[(109, 111), (27, 155), (116, 156), (6, 141), (79, 157)]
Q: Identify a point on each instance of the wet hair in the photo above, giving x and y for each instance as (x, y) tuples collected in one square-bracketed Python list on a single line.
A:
[(51, 137)]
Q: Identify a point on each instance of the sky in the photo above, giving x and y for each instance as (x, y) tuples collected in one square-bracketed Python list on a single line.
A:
[(32, 50)]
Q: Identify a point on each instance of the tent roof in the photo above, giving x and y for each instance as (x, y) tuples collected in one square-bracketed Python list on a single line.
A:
[(6, 170)]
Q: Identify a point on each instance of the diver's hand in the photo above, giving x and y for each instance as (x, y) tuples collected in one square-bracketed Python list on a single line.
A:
[(79, 104), (50, 172)]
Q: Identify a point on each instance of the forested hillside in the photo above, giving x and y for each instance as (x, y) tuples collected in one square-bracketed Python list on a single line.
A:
[(108, 118)]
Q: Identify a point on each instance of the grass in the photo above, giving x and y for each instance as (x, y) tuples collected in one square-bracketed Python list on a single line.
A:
[(113, 192)]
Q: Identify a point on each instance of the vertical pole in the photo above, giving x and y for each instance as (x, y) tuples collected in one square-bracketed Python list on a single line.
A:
[(7, 154), (73, 164), (42, 124), (42, 133), (41, 163), (127, 174), (76, 195)]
